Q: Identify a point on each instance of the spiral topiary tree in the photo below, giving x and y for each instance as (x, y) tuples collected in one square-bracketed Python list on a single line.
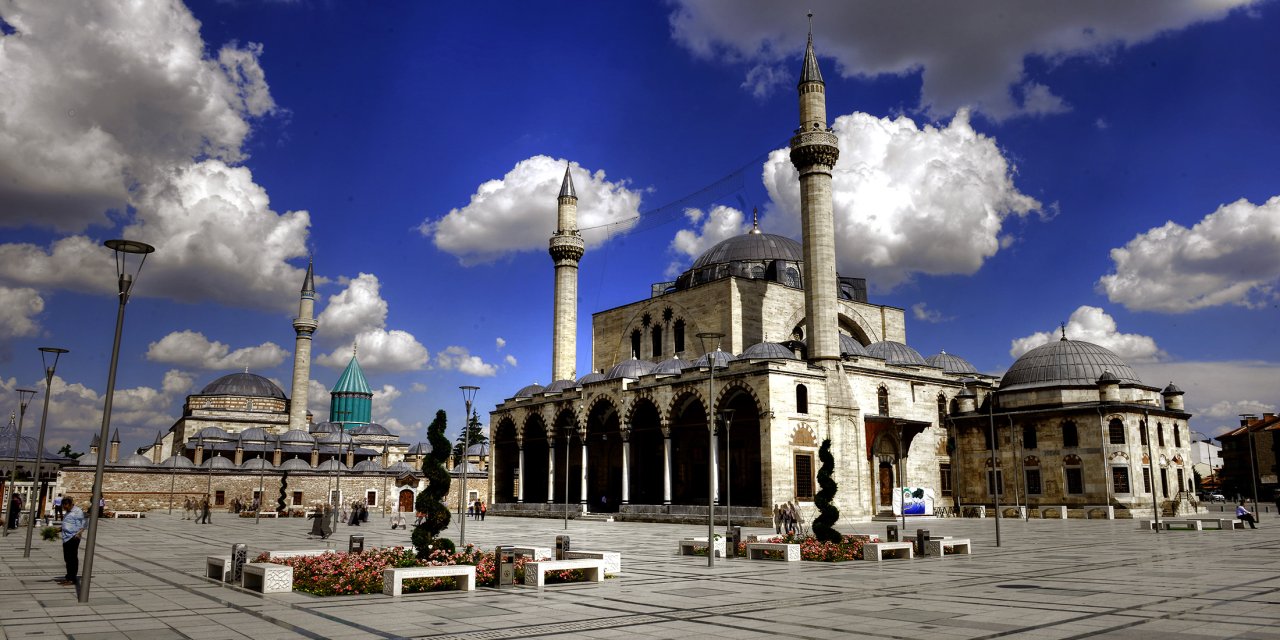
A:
[(828, 514), (284, 484), (430, 501)]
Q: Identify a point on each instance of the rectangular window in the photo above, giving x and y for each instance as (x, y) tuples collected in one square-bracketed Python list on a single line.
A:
[(297, 498), (257, 495), (1182, 479), (1164, 481), (944, 472), (1075, 481), (1142, 433), (371, 498), (1029, 436), (1120, 479), (1070, 438), (1033, 482), (994, 479), (219, 498), (1146, 480), (1115, 431), (804, 476)]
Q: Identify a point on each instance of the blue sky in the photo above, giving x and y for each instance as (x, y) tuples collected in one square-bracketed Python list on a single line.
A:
[(1003, 169)]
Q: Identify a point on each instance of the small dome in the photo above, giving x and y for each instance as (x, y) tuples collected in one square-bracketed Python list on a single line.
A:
[(529, 391), (481, 449), (1065, 362), (330, 465), (371, 429), (420, 449), (218, 462), (401, 467), (177, 462), (296, 436), (674, 365), (295, 464), (325, 427), (337, 437), (254, 434), (87, 459), (767, 351), (631, 368), (950, 363), (594, 376), (212, 433), (256, 464), (966, 393), (560, 385), (243, 384), (1108, 378), (368, 466), (135, 460), (722, 359), (895, 353), (851, 347), (1172, 390)]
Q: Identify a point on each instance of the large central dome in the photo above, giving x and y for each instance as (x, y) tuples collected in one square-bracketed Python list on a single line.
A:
[(751, 247), (1066, 362), (243, 384)]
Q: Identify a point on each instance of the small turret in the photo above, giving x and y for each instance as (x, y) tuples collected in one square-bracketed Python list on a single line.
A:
[(113, 455), (1108, 387), (1172, 397)]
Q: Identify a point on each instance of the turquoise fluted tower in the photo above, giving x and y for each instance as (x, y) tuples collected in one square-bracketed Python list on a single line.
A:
[(351, 399)]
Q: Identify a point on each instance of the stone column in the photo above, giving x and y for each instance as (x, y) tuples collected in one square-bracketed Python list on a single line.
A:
[(520, 475), (666, 466), (583, 486), (626, 468), (715, 464), (551, 471)]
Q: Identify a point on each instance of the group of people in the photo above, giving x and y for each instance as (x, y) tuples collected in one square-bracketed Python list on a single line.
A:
[(477, 509), (786, 518), (239, 505), (201, 508), (359, 513)]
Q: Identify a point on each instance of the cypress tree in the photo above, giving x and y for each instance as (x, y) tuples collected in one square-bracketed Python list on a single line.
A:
[(430, 501), (824, 525)]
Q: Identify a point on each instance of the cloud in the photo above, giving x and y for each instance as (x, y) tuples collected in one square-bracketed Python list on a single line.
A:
[(18, 309), (460, 359), (193, 349), (1217, 391), (1091, 324), (511, 361), (965, 54), (383, 400), (112, 99), (500, 343), (921, 312), (357, 308), (721, 223), (1233, 409), (418, 387), (381, 350), (318, 400), (1225, 259), (908, 199), (358, 314), (518, 212)]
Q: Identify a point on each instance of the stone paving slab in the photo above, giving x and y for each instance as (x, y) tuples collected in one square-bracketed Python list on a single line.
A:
[(1048, 580)]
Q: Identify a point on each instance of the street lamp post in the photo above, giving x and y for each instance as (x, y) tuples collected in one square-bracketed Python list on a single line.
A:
[(1151, 470), (703, 337), (726, 418), (173, 478), (385, 505), (1253, 471), (24, 399), (997, 482), (568, 436), (123, 249), (902, 474), (49, 357), (469, 394), (262, 480)]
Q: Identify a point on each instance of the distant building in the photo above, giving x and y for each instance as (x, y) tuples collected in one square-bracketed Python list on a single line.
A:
[(1250, 453)]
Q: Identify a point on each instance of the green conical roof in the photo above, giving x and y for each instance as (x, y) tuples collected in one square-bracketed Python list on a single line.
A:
[(352, 380)]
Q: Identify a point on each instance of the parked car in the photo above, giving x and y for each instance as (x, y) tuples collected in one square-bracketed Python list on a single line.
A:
[(1217, 497)]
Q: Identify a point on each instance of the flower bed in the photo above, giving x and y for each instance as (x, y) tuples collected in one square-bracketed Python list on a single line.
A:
[(849, 548), (335, 574)]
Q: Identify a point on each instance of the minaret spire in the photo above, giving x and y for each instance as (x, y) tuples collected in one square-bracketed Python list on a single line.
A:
[(567, 248), (303, 326)]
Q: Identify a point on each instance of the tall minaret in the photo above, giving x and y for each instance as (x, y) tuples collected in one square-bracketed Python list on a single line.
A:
[(814, 153), (304, 325), (566, 250)]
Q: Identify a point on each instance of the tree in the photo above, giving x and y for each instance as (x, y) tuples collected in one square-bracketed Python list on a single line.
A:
[(66, 452), (475, 434), (824, 525), (430, 501)]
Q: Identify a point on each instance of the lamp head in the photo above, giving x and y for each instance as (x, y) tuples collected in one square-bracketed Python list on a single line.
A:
[(24, 398)]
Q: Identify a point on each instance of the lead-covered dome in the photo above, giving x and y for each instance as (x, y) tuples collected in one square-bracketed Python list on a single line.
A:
[(673, 365), (631, 368), (528, 391), (243, 384), (751, 247), (950, 363), (767, 351), (1066, 362), (851, 347), (895, 353), (560, 386)]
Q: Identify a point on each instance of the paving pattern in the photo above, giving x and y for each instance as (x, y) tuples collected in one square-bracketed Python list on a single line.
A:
[(1048, 579)]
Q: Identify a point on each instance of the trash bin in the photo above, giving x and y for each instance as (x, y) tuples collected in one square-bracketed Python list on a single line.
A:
[(506, 556), (922, 539), (239, 555), (356, 544), (891, 533), (562, 545)]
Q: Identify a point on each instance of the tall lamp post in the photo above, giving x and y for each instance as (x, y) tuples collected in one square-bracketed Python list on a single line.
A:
[(1253, 471), (997, 482), (714, 337), (24, 399), (568, 437), (726, 418), (469, 394), (1151, 469), (49, 357), (123, 249)]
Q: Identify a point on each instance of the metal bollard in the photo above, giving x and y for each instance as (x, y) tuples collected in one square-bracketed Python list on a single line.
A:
[(922, 540), (562, 545), (355, 544), (891, 533), (505, 556)]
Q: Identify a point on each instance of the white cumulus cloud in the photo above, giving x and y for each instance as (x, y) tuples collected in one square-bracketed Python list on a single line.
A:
[(357, 308), (193, 349), (1228, 258), (358, 316), (460, 359), (511, 361), (908, 199), (966, 54), (1216, 392), (381, 350), (711, 227), (518, 212), (18, 310), (923, 313), (1091, 324)]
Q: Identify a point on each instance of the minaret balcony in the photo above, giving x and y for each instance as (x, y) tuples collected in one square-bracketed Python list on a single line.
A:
[(567, 247), (305, 324), (814, 147)]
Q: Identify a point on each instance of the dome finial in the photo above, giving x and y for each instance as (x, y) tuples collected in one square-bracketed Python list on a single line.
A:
[(566, 187), (355, 346), (755, 221), (246, 368), (1063, 325)]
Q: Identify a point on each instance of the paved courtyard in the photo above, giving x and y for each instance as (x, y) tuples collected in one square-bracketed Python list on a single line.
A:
[(1049, 579)]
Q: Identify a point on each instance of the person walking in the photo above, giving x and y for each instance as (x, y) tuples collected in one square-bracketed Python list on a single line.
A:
[(206, 511), (777, 519), (15, 508), (317, 527), (1244, 514), (72, 526), (484, 508), (57, 507)]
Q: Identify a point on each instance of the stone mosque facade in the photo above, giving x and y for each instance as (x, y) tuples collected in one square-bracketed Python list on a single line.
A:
[(764, 339)]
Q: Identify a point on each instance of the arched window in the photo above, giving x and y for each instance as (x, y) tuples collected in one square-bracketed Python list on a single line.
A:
[(657, 341), (802, 399), (1115, 432), (791, 277), (1160, 434), (883, 401), (635, 343), (1142, 432), (1029, 436), (1177, 436), (942, 409), (1074, 474), (678, 334)]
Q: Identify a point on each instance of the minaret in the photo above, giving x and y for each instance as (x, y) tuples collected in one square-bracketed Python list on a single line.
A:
[(566, 250), (304, 325), (814, 153)]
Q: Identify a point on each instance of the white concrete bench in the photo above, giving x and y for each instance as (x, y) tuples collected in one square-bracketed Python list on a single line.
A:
[(297, 553), (535, 573), (790, 552), (1060, 508), (268, 577), (876, 550), (464, 577), (1225, 524), (218, 568), (937, 547), (1017, 511), (1106, 508), (128, 514), (537, 553), (612, 559), (1190, 525), (688, 545), (1147, 525), (268, 514)]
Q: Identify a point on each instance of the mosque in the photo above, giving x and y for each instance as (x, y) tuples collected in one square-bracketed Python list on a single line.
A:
[(720, 387)]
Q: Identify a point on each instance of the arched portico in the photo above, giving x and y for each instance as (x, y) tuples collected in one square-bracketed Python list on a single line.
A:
[(534, 472), (507, 462), (604, 458)]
